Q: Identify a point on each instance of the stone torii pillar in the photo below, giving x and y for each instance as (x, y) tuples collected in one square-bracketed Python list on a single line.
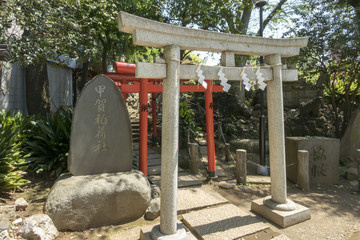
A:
[(173, 39), (169, 141)]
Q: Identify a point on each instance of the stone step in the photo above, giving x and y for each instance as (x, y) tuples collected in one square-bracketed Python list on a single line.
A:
[(156, 170), (184, 180), (223, 222), (203, 150)]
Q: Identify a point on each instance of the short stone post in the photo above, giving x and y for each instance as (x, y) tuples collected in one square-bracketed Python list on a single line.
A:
[(358, 159), (227, 152), (194, 157), (241, 166), (303, 180), (170, 142)]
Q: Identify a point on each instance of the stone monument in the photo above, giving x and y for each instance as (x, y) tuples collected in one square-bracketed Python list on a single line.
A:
[(101, 140), (324, 155), (350, 142), (101, 188)]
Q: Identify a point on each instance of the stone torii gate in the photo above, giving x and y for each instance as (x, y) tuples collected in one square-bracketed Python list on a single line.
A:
[(173, 39)]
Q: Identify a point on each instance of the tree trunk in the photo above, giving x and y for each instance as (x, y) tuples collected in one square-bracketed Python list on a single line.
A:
[(245, 18), (104, 65), (38, 99), (84, 75)]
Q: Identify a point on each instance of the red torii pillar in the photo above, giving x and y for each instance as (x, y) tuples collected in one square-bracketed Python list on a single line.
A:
[(209, 109), (153, 107), (143, 125)]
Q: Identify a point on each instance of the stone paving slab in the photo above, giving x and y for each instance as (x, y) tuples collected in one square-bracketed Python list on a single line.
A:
[(197, 198), (281, 237), (223, 222), (184, 180)]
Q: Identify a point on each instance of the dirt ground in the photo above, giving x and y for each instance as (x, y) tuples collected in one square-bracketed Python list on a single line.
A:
[(335, 210)]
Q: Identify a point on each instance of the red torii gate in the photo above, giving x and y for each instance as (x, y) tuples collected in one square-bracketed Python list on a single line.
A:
[(125, 73)]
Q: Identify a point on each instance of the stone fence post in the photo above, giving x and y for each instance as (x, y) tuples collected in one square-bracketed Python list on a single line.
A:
[(227, 152), (241, 166), (303, 180), (194, 157)]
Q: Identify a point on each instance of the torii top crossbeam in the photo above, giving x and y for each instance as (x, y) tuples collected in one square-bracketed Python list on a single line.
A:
[(151, 33)]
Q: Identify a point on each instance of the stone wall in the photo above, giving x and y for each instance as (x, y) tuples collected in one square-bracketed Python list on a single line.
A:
[(295, 94)]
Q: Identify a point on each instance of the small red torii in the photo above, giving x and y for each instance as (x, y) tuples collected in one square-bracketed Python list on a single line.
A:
[(125, 74)]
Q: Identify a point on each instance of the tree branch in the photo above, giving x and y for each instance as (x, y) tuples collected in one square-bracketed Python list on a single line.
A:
[(272, 14)]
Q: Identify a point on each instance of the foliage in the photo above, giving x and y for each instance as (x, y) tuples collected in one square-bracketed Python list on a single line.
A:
[(187, 119), (49, 142), (12, 158), (82, 29), (332, 54), (223, 16)]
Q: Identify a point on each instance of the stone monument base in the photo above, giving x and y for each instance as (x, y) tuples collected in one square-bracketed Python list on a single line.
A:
[(81, 202), (182, 234), (280, 217)]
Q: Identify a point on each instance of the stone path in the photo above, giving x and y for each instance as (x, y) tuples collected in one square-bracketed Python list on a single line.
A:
[(205, 213)]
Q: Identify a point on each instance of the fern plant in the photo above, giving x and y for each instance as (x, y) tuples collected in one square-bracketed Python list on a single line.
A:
[(50, 141), (12, 157)]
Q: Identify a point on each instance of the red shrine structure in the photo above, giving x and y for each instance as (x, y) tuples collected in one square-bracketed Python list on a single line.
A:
[(124, 77)]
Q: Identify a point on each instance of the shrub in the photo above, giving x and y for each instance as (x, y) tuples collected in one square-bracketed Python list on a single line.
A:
[(49, 142), (12, 158)]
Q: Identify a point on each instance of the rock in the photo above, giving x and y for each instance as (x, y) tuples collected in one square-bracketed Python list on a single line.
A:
[(38, 227), (8, 211), (348, 162), (352, 174), (17, 221), (4, 223), (226, 185), (153, 210), (4, 235), (155, 191), (250, 145), (21, 204), (82, 202), (311, 108), (355, 185)]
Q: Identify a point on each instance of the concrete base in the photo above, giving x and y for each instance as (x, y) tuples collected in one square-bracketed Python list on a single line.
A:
[(182, 234), (282, 218)]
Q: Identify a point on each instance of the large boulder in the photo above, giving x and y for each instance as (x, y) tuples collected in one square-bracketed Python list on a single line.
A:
[(82, 202), (250, 145)]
